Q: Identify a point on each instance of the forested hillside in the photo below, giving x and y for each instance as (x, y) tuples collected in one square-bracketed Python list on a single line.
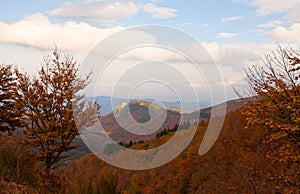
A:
[(235, 164)]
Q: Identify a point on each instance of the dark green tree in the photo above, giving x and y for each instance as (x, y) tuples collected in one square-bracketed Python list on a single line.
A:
[(185, 186)]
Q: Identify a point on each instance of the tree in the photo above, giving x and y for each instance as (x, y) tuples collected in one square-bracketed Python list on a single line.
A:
[(277, 108), (9, 115), (278, 101), (185, 186), (47, 101)]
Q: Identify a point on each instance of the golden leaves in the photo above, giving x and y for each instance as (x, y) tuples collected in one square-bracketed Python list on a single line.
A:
[(278, 109), (47, 101)]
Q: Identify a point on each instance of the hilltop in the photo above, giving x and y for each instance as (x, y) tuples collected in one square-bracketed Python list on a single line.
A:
[(108, 104), (140, 111)]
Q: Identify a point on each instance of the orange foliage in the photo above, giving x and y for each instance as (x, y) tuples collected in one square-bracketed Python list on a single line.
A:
[(236, 164), (277, 108)]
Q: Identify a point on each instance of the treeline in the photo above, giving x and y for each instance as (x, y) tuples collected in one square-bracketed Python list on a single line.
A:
[(165, 131), (113, 148), (130, 143)]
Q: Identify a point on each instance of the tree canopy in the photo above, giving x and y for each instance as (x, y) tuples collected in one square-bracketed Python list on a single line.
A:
[(277, 88), (9, 114), (47, 102)]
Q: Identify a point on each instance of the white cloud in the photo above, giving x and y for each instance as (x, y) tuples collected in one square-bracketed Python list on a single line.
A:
[(266, 7), (155, 53), (226, 35), (187, 24), (234, 18), (235, 56), (283, 34), (160, 12), (197, 25), (37, 31), (102, 11), (238, 58), (149, 53), (241, 1), (285, 30), (270, 24), (230, 60), (204, 25), (294, 14)]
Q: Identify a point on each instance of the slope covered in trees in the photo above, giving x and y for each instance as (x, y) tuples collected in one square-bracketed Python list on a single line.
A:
[(236, 164)]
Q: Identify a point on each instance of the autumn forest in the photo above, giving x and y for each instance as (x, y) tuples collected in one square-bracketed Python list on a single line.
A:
[(257, 151)]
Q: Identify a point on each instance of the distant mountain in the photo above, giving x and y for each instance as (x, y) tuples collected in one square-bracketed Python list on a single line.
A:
[(108, 104), (177, 109), (140, 111), (230, 105)]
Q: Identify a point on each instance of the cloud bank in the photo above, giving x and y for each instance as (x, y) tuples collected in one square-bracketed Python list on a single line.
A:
[(104, 11), (226, 35), (160, 12), (37, 31), (101, 11)]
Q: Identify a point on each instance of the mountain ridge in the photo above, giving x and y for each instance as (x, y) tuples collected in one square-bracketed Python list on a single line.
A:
[(116, 132), (108, 104)]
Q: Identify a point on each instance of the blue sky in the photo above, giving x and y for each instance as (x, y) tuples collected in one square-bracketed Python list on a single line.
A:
[(235, 32), (202, 19)]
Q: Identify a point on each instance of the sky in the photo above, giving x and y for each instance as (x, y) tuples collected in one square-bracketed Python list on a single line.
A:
[(236, 34)]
